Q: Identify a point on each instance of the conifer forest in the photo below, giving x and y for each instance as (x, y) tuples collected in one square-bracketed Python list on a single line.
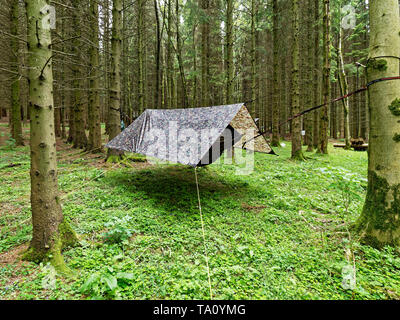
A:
[(199, 150)]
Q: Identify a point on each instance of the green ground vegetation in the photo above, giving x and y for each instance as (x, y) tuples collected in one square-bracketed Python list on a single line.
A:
[(282, 232)]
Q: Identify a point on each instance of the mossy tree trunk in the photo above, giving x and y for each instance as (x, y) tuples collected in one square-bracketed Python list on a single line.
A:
[(115, 85), (94, 144), (16, 124), (326, 83), (297, 152), (379, 223), (51, 233)]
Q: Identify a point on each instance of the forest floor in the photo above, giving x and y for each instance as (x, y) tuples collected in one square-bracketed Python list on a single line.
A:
[(281, 232)]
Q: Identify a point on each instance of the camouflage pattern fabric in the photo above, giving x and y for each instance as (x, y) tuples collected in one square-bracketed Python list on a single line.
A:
[(186, 135)]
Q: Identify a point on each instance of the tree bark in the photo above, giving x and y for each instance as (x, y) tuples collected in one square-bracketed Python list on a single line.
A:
[(140, 53), (157, 93), (205, 40), (79, 137), (326, 83), (309, 75), (16, 123), (297, 152), (275, 102), (229, 52), (169, 57), (344, 87), (194, 92), (51, 233), (317, 98), (106, 55), (253, 109), (179, 56), (115, 85), (379, 223), (94, 144)]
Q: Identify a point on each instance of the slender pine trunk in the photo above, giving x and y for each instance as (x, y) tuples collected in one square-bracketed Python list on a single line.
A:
[(275, 102), (326, 83), (94, 144), (16, 123), (115, 85), (344, 87), (297, 152), (51, 233), (229, 67)]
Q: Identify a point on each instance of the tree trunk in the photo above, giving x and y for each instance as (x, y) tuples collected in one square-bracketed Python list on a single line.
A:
[(309, 75), (115, 85), (157, 96), (344, 87), (179, 56), (205, 39), (229, 52), (275, 102), (51, 233), (379, 223), (16, 124), (326, 83), (106, 54), (297, 152), (79, 138), (253, 109), (140, 47), (94, 144), (194, 93), (169, 58), (317, 98)]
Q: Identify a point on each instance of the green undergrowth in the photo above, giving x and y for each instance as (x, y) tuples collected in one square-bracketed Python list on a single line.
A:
[(281, 232)]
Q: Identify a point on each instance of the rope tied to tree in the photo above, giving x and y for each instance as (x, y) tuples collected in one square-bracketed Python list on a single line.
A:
[(300, 114)]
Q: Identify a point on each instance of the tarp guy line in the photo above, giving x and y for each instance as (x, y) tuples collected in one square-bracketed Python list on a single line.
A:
[(202, 229)]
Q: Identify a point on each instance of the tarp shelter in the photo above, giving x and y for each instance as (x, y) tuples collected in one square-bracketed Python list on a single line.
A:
[(195, 137)]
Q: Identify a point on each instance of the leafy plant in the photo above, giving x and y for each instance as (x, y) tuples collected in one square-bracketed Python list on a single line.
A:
[(105, 285), (10, 143), (118, 231)]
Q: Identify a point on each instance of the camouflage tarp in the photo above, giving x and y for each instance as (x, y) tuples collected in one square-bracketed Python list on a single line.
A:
[(194, 137)]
